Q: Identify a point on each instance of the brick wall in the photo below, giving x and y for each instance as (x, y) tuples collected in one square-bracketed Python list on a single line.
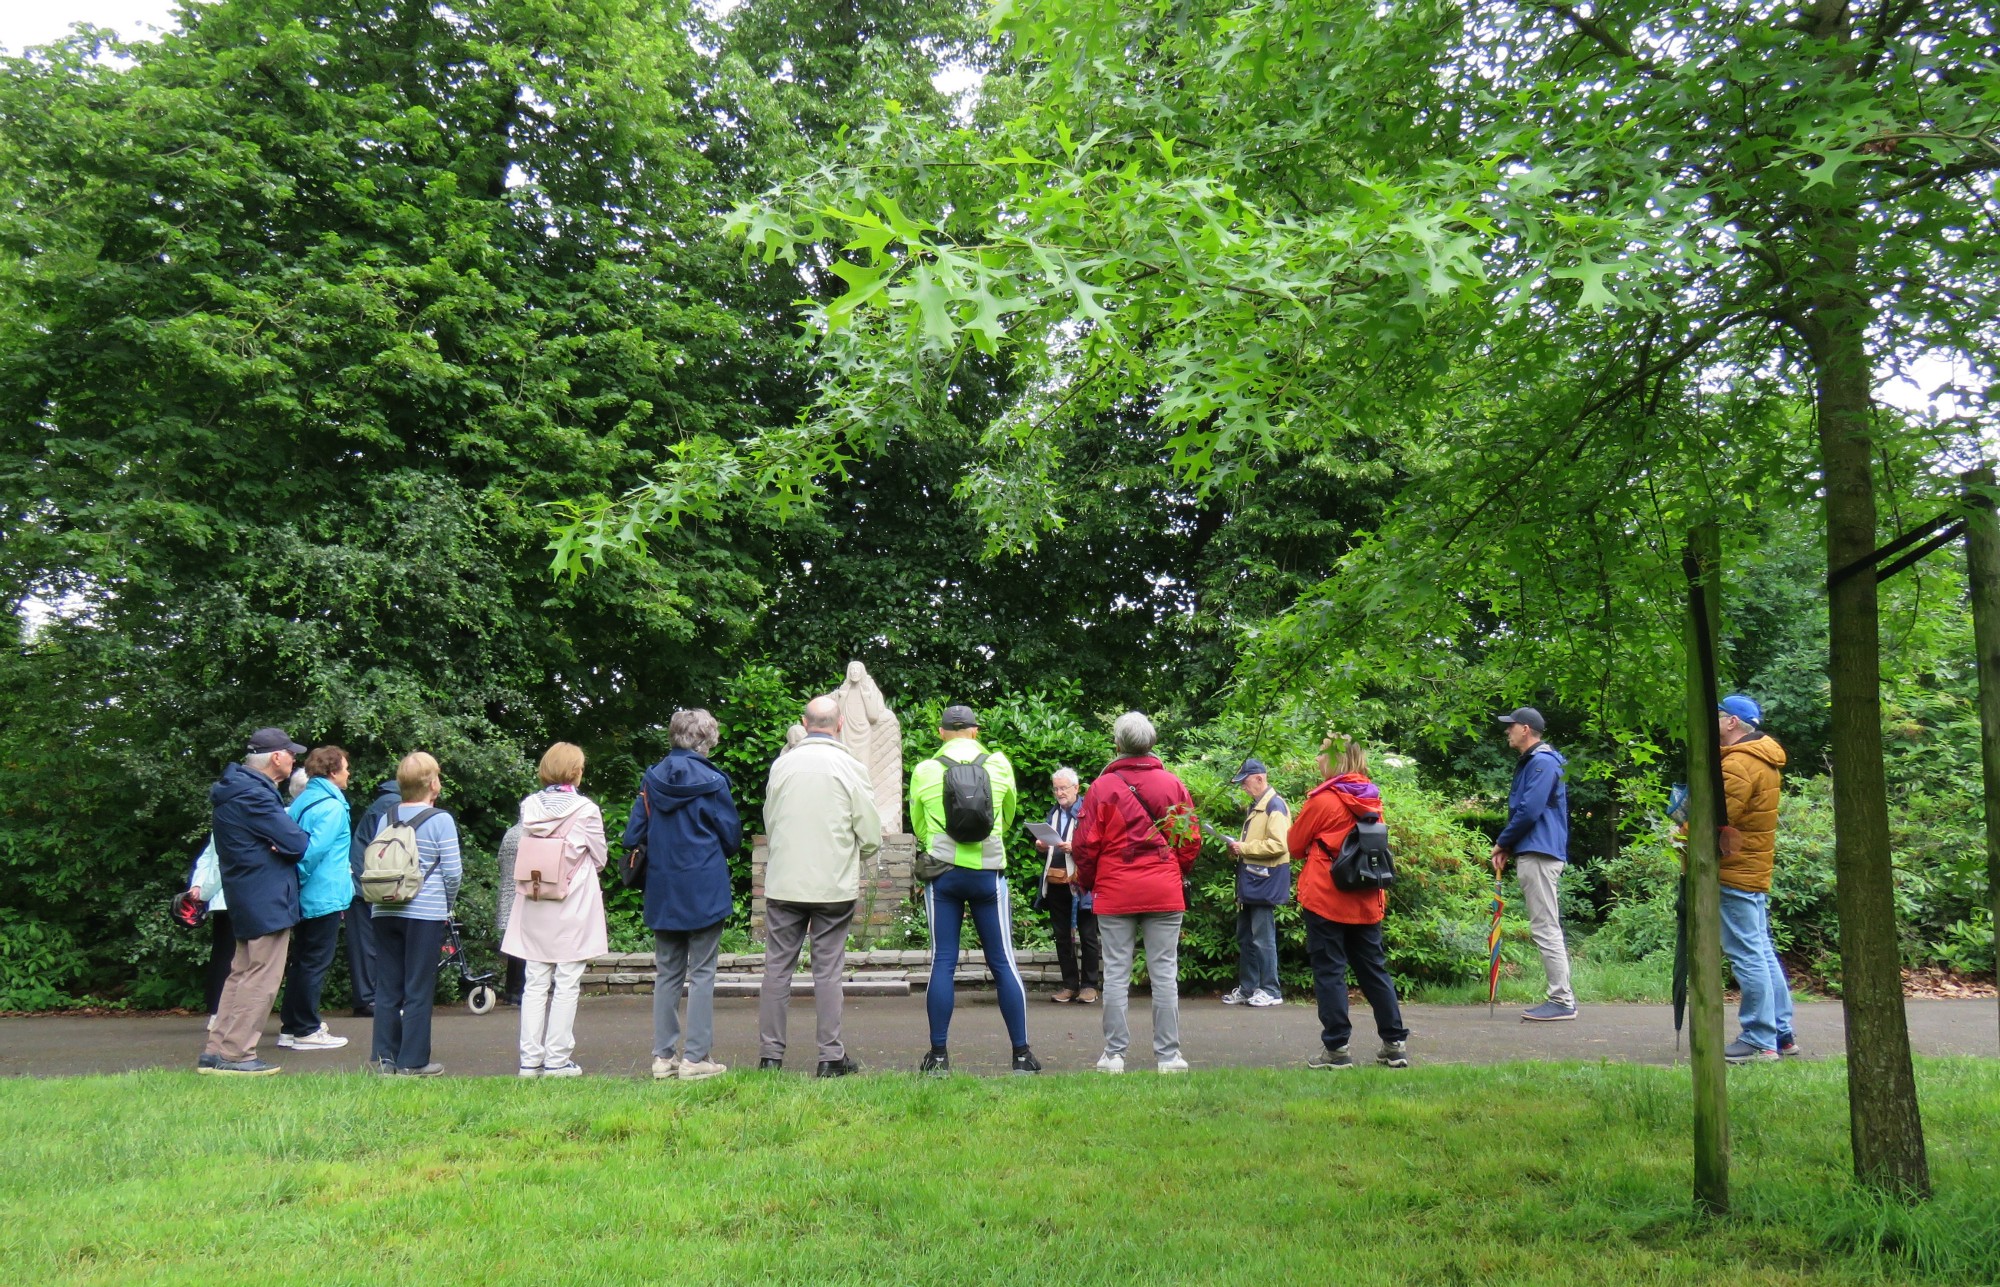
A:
[(885, 886)]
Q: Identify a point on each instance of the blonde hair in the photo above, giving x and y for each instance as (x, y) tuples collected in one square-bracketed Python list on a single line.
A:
[(562, 764), (1344, 754), (418, 776)]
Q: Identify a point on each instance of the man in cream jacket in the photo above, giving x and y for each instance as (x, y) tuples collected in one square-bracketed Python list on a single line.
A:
[(820, 817)]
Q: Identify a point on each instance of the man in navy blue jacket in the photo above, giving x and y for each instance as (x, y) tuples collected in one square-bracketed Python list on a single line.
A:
[(1537, 838), (257, 847), (360, 921)]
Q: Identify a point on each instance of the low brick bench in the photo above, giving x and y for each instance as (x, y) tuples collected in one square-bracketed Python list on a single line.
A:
[(871, 973)]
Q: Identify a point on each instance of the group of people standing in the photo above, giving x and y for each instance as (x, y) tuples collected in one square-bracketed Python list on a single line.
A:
[(1115, 859)]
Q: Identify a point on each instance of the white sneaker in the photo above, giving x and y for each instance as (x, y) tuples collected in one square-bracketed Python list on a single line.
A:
[(1265, 1000), (1113, 1064), (531, 1070), (1234, 997), (666, 1069), (567, 1068), (1174, 1065), (701, 1069), (321, 1039)]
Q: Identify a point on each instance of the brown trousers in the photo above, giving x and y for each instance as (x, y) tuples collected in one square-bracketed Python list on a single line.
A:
[(254, 975)]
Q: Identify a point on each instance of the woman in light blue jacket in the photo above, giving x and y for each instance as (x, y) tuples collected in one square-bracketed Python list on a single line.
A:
[(326, 886)]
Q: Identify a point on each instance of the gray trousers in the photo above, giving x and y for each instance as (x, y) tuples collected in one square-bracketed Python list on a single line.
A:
[(1162, 934), (1538, 874), (685, 955), (786, 926)]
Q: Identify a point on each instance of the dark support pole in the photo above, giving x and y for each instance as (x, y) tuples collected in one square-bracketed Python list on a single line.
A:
[(1982, 565), (1703, 877)]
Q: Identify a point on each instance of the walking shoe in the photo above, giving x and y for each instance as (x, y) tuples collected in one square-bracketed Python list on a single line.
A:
[(763, 1065), (1264, 1000), (1788, 1046), (251, 1067), (1113, 1064), (380, 1067), (530, 1070), (701, 1069), (1088, 996), (936, 1064), (1549, 1012), (845, 1066), (1330, 1057), (1062, 996), (567, 1068), (1740, 1051), (428, 1070), (207, 1063), (1174, 1065), (665, 1069), (1393, 1054), (321, 1038), (1234, 997), (363, 1012), (1025, 1061)]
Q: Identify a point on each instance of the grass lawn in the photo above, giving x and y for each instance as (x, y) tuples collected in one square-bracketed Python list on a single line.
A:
[(1544, 1173)]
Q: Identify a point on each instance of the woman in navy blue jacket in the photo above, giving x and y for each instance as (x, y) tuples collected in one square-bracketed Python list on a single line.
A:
[(687, 821)]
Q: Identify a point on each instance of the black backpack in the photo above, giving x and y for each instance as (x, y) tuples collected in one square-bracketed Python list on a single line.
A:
[(968, 799), (1364, 861)]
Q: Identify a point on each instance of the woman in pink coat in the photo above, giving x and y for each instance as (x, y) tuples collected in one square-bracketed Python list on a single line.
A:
[(555, 931)]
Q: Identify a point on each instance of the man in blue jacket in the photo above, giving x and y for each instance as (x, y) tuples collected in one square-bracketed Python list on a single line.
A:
[(1537, 838), (360, 921), (257, 847)]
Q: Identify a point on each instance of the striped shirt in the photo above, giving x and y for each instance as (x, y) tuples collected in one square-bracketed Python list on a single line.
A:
[(437, 847)]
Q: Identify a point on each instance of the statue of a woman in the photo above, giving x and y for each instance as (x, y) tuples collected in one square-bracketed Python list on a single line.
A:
[(871, 730)]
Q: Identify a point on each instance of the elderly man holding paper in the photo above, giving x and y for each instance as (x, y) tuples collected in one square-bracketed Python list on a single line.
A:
[(1070, 916)]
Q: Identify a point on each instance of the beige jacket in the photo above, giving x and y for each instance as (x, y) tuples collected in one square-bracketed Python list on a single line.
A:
[(1265, 834), (820, 818)]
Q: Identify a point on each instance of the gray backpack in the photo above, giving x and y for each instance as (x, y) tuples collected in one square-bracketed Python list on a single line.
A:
[(391, 871)]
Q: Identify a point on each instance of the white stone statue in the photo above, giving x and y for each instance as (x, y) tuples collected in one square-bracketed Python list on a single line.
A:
[(871, 730)]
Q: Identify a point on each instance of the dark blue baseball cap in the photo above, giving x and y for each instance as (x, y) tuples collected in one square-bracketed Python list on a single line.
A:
[(1250, 768)]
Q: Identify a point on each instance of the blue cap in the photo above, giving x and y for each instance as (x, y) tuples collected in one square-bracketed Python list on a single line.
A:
[(1742, 708), (1250, 767)]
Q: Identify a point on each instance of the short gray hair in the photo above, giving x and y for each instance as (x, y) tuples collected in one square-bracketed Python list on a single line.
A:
[(259, 763), (694, 730), (1066, 774), (1133, 734)]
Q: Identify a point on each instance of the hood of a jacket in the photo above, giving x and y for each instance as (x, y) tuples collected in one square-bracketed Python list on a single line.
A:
[(1762, 746), (1543, 748), (682, 778), (318, 789), (544, 811), (1355, 787), (237, 782), (388, 791), (1136, 764)]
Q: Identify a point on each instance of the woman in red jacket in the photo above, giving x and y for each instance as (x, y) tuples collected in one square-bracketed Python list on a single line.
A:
[(1344, 927), (1134, 842)]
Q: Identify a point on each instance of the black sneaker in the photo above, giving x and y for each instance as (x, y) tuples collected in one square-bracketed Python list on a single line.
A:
[(770, 1065), (251, 1067), (845, 1066), (1331, 1057), (364, 1012), (936, 1064), (207, 1063), (1025, 1062)]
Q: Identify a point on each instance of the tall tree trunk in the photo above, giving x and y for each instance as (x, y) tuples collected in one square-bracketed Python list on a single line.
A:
[(1705, 815), (1887, 1132), (1982, 562)]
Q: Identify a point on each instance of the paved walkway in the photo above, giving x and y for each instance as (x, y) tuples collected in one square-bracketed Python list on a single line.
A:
[(615, 1036)]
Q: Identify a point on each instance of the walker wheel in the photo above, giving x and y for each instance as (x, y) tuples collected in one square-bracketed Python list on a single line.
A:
[(480, 1000)]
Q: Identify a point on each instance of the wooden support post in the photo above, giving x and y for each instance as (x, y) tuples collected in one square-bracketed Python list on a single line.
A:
[(1704, 888), (1982, 567)]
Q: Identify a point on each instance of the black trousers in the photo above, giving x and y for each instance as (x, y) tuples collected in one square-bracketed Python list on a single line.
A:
[(1333, 946), (360, 924), (221, 951), (1060, 900), (313, 942), (406, 971), (515, 981)]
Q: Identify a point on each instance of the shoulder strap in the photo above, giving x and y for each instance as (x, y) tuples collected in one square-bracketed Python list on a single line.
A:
[(1137, 798)]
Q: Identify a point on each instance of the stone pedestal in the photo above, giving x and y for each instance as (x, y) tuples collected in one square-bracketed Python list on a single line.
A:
[(885, 884)]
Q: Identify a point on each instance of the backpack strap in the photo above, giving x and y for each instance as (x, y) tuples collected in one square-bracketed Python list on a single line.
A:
[(413, 824)]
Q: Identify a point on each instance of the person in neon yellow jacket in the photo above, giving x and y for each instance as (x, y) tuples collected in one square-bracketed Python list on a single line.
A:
[(976, 882)]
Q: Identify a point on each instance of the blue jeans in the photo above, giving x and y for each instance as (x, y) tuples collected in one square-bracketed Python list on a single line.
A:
[(1766, 1012), (1257, 949), (946, 901)]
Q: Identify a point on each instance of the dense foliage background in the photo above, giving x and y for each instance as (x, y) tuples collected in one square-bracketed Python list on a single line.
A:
[(320, 322)]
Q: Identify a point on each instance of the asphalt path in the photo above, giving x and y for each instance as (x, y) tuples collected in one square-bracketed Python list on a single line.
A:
[(614, 1036)]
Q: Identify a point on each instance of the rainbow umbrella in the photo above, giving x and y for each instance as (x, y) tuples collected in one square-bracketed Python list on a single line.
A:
[(1493, 947)]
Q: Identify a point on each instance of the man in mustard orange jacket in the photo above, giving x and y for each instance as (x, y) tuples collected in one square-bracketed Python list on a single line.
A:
[(1752, 769)]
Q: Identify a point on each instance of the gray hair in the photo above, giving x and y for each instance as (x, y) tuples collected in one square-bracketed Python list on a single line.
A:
[(822, 715), (1133, 734), (259, 763), (694, 730), (1066, 774)]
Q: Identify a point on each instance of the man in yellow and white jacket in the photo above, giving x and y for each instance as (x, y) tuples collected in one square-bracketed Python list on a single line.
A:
[(1263, 884)]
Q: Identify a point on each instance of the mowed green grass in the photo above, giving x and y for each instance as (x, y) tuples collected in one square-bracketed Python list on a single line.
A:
[(1544, 1173)]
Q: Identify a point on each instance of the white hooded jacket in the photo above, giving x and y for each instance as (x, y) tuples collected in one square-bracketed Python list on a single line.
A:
[(573, 929)]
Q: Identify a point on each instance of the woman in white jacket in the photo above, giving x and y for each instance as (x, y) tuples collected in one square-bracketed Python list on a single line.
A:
[(555, 932)]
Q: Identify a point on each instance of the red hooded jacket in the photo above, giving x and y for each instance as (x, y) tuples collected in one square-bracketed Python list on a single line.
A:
[(1125, 860), (1328, 814)]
